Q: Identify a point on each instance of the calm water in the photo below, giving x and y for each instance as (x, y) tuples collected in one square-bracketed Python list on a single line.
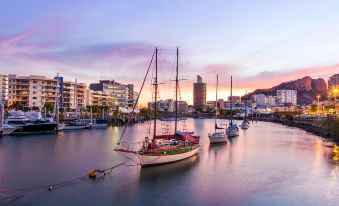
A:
[(269, 164)]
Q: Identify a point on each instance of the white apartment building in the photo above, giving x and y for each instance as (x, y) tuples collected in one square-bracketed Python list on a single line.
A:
[(34, 91), (287, 97), (122, 93), (260, 99), (73, 95), (3, 89), (31, 91)]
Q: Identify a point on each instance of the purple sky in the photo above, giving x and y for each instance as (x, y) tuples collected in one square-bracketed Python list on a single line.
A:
[(261, 43)]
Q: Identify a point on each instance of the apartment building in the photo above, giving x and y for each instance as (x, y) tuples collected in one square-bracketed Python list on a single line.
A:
[(31, 91), (73, 95), (3, 89), (120, 92), (98, 98), (287, 97)]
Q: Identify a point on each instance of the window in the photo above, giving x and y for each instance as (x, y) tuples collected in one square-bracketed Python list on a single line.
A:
[(34, 82), (34, 87), (34, 97)]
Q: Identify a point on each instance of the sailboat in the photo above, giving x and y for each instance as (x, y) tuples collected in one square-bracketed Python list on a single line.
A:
[(232, 129), (217, 136), (168, 148), (245, 123), (61, 125)]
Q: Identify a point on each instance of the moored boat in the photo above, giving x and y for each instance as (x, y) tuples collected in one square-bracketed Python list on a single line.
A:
[(163, 149), (232, 129), (219, 135)]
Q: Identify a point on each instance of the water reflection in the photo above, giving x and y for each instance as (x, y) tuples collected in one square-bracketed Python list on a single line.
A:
[(268, 164), (168, 171)]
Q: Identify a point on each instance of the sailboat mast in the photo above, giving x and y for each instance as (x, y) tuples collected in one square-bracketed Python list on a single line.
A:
[(216, 106), (231, 102), (156, 92), (176, 93)]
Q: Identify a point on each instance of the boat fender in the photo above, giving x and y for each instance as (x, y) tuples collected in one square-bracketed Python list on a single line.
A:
[(92, 174)]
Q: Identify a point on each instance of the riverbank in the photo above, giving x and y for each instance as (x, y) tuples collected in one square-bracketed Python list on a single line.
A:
[(327, 127)]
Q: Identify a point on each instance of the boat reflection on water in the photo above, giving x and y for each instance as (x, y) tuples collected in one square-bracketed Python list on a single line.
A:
[(335, 154), (167, 171)]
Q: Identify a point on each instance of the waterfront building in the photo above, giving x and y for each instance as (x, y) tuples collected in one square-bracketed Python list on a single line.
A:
[(221, 103), (3, 89), (333, 86), (30, 91), (287, 97), (168, 105), (120, 92), (98, 98), (73, 95), (182, 107), (199, 94), (271, 100), (235, 99), (260, 99), (210, 104)]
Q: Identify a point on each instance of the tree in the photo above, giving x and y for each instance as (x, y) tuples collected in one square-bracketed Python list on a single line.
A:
[(49, 106)]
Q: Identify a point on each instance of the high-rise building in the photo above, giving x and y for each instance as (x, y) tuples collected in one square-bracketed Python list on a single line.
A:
[(3, 89), (287, 97), (30, 91), (199, 94), (333, 86), (120, 92)]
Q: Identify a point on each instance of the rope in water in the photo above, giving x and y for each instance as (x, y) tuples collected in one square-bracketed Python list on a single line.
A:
[(75, 180)]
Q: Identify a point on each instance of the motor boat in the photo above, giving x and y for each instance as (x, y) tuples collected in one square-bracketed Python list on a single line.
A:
[(29, 123), (99, 124)]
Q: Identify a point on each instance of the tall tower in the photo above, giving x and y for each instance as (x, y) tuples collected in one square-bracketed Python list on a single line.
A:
[(199, 94)]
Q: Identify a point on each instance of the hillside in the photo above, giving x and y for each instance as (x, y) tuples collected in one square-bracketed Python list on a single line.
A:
[(307, 89)]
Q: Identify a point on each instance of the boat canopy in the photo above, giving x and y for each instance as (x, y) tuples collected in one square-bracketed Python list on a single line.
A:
[(128, 110)]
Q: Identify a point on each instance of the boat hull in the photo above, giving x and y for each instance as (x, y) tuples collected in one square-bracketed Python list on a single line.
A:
[(217, 138), (36, 128), (153, 160), (232, 133), (61, 126), (75, 127), (8, 131), (244, 126), (99, 126)]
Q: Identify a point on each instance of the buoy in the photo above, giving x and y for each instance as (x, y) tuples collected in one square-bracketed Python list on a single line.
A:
[(92, 174), (50, 188)]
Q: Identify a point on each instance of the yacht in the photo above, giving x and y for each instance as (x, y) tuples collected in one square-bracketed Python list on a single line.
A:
[(29, 123), (217, 136), (232, 129)]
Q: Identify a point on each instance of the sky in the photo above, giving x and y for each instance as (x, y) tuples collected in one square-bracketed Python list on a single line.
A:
[(261, 43)]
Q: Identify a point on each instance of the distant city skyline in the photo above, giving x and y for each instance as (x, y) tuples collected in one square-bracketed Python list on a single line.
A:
[(261, 44)]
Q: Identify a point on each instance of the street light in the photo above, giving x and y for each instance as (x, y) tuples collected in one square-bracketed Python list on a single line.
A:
[(318, 97)]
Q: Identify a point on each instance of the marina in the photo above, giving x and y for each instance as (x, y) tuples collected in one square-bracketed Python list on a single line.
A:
[(267, 164)]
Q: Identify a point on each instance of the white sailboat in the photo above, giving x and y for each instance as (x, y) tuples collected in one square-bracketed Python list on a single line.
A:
[(232, 129), (245, 123), (218, 136), (162, 149)]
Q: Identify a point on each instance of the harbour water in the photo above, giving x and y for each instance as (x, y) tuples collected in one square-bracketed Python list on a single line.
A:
[(269, 164)]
